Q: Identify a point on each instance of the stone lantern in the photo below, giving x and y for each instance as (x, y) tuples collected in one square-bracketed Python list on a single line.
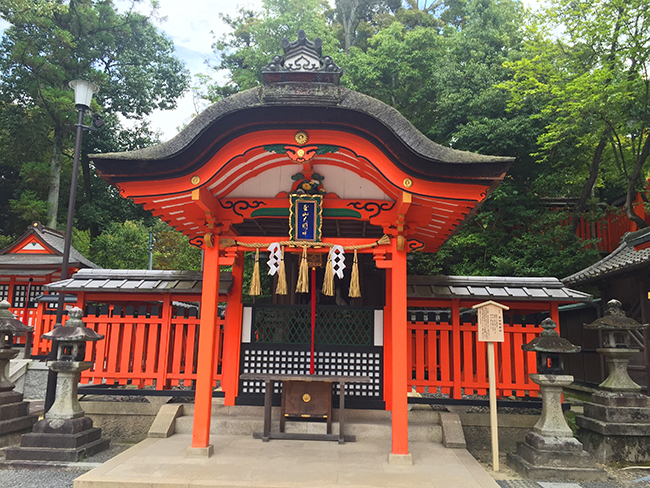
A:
[(616, 347), (14, 412), (615, 426), (64, 434), (550, 451), (10, 327)]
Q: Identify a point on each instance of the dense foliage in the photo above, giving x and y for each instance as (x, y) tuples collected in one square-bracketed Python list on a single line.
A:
[(564, 89)]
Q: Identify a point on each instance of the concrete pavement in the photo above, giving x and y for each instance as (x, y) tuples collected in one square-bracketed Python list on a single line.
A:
[(243, 462)]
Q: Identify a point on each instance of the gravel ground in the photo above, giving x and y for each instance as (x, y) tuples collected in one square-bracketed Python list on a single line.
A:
[(617, 478), (56, 477)]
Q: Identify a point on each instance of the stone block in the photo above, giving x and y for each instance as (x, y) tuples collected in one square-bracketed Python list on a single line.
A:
[(615, 399), (609, 448), (60, 426), (17, 424), (63, 441), (400, 459), (617, 414), (199, 452), (12, 410), (559, 444), (10, 397), (614, 429), (452, 431), (555, 459), (164, 424), (55, 454), (548, 473)]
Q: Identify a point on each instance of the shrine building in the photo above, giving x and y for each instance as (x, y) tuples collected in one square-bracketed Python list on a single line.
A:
[(335, 189)]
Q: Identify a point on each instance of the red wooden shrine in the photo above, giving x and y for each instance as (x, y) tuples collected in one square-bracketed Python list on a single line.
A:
[(227, 181)]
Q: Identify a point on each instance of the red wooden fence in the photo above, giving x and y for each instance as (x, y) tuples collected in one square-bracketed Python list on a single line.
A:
[(147, 350), (433, 347), (139, 349)]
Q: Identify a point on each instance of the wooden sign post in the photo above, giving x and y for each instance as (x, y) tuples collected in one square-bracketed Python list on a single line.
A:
[(490, 330)]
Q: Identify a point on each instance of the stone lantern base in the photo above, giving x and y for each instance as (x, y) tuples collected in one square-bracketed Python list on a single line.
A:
[(14, 414), (550, 451), (58, 440), (554, 458), (615, 427)]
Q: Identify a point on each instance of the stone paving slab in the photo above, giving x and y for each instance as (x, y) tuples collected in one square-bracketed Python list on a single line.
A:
[(244, 462)]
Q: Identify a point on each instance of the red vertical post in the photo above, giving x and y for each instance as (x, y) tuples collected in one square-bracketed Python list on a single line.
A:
[(399, 371), (456, 347), (555, 315), (232, 333), (388, 357), (312, 363), (206, 357)]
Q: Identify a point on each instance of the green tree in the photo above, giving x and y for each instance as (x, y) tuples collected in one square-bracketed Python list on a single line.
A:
[(587, 65), (255, 37), (126, 246), (49, 43), (122, 246)]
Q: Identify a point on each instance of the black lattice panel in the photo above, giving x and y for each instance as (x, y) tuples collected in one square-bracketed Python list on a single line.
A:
[(367, 362), (4, 292)]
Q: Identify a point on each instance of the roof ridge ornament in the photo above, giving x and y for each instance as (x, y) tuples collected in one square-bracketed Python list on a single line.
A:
[(303, 62)]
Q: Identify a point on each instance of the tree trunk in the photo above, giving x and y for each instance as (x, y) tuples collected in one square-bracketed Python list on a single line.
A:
[(591, 181), (55, 179), (631, 185)]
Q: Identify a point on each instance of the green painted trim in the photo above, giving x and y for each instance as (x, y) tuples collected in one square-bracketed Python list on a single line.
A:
[(327, 212), (270, 212), (341, 212)]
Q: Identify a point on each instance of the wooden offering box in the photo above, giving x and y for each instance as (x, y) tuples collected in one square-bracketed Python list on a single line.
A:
[(306, 400)]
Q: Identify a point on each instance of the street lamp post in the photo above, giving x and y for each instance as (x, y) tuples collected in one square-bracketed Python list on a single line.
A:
[(83, 94)]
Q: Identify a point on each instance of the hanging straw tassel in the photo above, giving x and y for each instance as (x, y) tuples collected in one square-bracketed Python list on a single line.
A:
[(281, 288), (256, 287), (303, 275), (384, 240), (328, 281), (355, 290)]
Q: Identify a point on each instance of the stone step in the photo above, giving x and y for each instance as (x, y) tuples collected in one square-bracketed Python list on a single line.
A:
[(17, 424), (12, 410), (423, 413), (424, 428)]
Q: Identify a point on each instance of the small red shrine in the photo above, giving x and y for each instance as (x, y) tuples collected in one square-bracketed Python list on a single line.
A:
[(338, 188), (30, 263)]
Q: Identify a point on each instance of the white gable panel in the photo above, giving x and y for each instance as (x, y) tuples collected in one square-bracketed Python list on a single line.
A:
[(32, 246), (347, 184), (267, 184)]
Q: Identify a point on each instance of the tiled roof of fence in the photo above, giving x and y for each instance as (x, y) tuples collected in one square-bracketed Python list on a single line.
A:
[(138, 281), (492, 288)]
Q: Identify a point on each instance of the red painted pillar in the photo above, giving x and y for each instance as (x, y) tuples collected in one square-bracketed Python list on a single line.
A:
[(206, 357), (555, 315), (456, 347), (232, 333), (388, 352), (399, 406)]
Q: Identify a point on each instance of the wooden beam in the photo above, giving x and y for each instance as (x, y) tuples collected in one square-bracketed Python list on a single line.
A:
[(207, 203)]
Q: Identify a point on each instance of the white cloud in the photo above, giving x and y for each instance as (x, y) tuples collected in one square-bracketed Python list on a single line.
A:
[(192, 25)]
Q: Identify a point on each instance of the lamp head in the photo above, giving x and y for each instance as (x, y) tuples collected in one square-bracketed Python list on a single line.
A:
[(83, 92)]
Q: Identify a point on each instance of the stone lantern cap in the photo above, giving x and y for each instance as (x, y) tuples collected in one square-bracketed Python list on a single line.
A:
[(9, 323), (74, 330), (615, 319), (550, 341)]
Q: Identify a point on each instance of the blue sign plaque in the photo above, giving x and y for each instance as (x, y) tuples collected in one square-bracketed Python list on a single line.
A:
[(305, 218)]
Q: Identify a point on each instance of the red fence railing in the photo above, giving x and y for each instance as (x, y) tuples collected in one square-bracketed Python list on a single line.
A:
[(159, 350), (435, 348)]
